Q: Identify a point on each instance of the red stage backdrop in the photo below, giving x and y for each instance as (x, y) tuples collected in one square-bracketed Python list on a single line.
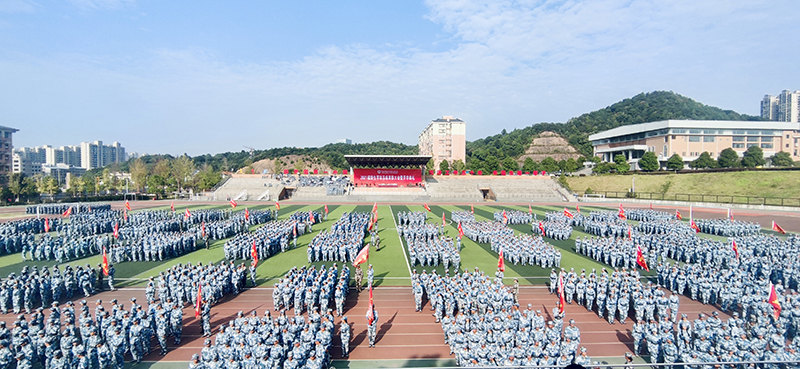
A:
[(386, 177)]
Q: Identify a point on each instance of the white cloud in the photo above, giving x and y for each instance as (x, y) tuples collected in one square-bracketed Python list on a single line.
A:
[(515, 63), (17, 6)]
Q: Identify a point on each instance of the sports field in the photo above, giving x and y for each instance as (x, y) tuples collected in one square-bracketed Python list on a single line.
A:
[(406, 338)]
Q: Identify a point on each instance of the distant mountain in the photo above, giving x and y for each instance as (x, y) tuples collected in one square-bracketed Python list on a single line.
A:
[(490, 153), (501, 151)]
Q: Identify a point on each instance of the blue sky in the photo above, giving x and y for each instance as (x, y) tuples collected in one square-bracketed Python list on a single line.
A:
[(208, 76)]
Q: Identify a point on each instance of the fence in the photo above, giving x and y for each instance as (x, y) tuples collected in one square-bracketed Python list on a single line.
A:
[(690, 197)]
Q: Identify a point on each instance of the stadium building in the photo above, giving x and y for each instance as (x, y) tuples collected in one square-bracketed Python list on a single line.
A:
[(690, 138)]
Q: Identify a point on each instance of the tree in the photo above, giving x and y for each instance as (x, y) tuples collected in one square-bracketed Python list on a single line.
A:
[(675, 162), (510, 164), (621, 163), (491, 164), (529, 165), (182, 170), (728, 158), (649, 162), (570, 165), (139, 174), (16, 184), (48, 185), (703, 161), (753, 157), (782, 159), (207, 178), (75, 186), (459, 165), (604, 167), (549, 165), (444, 166), (155, 184)]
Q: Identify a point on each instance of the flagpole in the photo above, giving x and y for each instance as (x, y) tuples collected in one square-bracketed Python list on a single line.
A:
[(690, 213)]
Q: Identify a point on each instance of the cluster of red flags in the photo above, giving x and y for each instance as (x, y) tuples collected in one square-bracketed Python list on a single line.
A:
[(199, 301), (254, 254), (362, 256), (501, 261), (777, 228), (640, 258), (105, 262)]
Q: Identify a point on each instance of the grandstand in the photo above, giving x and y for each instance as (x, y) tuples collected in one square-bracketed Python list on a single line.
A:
[(246, 187), (495, 188)]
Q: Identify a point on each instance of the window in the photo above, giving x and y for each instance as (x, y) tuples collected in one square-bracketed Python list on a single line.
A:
[(694, 138), (682, 154), (787, 146), (710, 131), (751, 145), (665, 150), (766, 139), (738, 132), (752, 132), (787, 136), (695, 131), (678, 131), (708, 138), (769, 133), (673, 137), (766, 145), (738, 138), (666, 138), (737, 145), (752, 139)]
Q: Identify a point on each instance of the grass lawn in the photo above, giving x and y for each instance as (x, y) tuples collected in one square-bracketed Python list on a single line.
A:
[(785, 184)]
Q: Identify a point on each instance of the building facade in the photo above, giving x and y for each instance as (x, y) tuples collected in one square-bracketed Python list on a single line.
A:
[(6, 149), (782, 108), (444, 139), (690, 138), (24, 165)]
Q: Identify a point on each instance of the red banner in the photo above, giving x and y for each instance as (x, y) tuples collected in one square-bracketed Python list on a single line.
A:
[(386, 177)]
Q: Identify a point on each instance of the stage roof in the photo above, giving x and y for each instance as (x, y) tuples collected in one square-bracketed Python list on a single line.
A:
[(387, 160)]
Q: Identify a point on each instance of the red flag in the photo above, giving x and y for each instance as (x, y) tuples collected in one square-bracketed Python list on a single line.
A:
[(277, 205), (127, 205), (428, 208), (694, 226), (67, 212), (375, 208), (294, 230), (105, 262), (530, 210), (125, 214), (630, 233), (203, 229), (562, 301), (735, 248), (311, 216), (172, 206), (199, 300), (46, 225), (541, 228), (730, 214), (505, 217), (362, 256), (777, 228), (471, 209), (621, 212), (773, 300), (444, 221), (246, 214), (501, 262), (578, 209), (651, 206), (187, 214), (371, 308), (326, 208), (640, 258), (568, 214), (233, 203), (116, 230), (254, 254), (460, 231), (678, 214)]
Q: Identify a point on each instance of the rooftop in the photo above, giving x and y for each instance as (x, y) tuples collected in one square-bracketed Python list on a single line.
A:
[(387, 160), (711, 124)]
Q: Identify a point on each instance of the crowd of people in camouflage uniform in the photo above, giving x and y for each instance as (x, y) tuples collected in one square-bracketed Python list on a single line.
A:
[(513, 217), (484, 326), (283, 341), (269, 239), (556, 225), (83, 207), (343, 241)]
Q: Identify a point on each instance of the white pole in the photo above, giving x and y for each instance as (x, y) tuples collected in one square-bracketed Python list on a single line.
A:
[(690, 212)]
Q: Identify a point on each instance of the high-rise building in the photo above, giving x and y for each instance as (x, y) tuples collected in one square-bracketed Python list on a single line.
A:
[(87, 155), (445, 138), (782, 108), (6, 148), (21, 163)]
